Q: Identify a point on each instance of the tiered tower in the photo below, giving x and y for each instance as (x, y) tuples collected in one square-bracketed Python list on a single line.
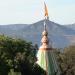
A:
[(45, 56)]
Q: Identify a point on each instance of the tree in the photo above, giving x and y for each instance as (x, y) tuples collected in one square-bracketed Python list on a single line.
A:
[(18, 55), (67, 60)]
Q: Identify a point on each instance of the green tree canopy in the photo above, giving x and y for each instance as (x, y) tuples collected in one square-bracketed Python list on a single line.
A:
[(67, 60), (17, 54)]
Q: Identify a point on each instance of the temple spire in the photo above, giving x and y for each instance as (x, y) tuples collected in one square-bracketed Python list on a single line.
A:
[(46, 16), (45, 56)]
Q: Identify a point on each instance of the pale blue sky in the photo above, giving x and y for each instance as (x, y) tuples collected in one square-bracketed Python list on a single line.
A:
[(31, 11)]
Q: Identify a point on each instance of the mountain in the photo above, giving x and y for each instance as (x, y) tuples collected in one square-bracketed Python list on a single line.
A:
[(59, 35), (72, 26)]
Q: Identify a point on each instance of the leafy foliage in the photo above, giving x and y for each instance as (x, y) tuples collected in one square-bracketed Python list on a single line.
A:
[(67, 60), (18, 55)]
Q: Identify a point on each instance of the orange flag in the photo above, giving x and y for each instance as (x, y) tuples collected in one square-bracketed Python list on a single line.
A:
[(46, 10)]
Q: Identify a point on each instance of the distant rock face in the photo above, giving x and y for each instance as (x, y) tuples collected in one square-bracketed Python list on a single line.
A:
[(59, 35)]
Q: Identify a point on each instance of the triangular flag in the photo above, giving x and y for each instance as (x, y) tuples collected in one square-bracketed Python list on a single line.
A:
[(46, 10)]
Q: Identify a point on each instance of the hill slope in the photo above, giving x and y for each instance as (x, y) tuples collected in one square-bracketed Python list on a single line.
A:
[(72, 26), (61, 36)]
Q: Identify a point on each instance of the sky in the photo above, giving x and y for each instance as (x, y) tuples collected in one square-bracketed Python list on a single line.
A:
[(31, 11)]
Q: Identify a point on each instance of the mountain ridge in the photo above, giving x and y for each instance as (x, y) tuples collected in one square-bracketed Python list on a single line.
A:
[(61, 36)]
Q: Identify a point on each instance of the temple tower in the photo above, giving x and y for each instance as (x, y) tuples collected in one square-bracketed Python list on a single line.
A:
[(45, 56)]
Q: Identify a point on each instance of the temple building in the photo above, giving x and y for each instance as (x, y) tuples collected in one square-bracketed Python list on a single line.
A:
[(46, 58)]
